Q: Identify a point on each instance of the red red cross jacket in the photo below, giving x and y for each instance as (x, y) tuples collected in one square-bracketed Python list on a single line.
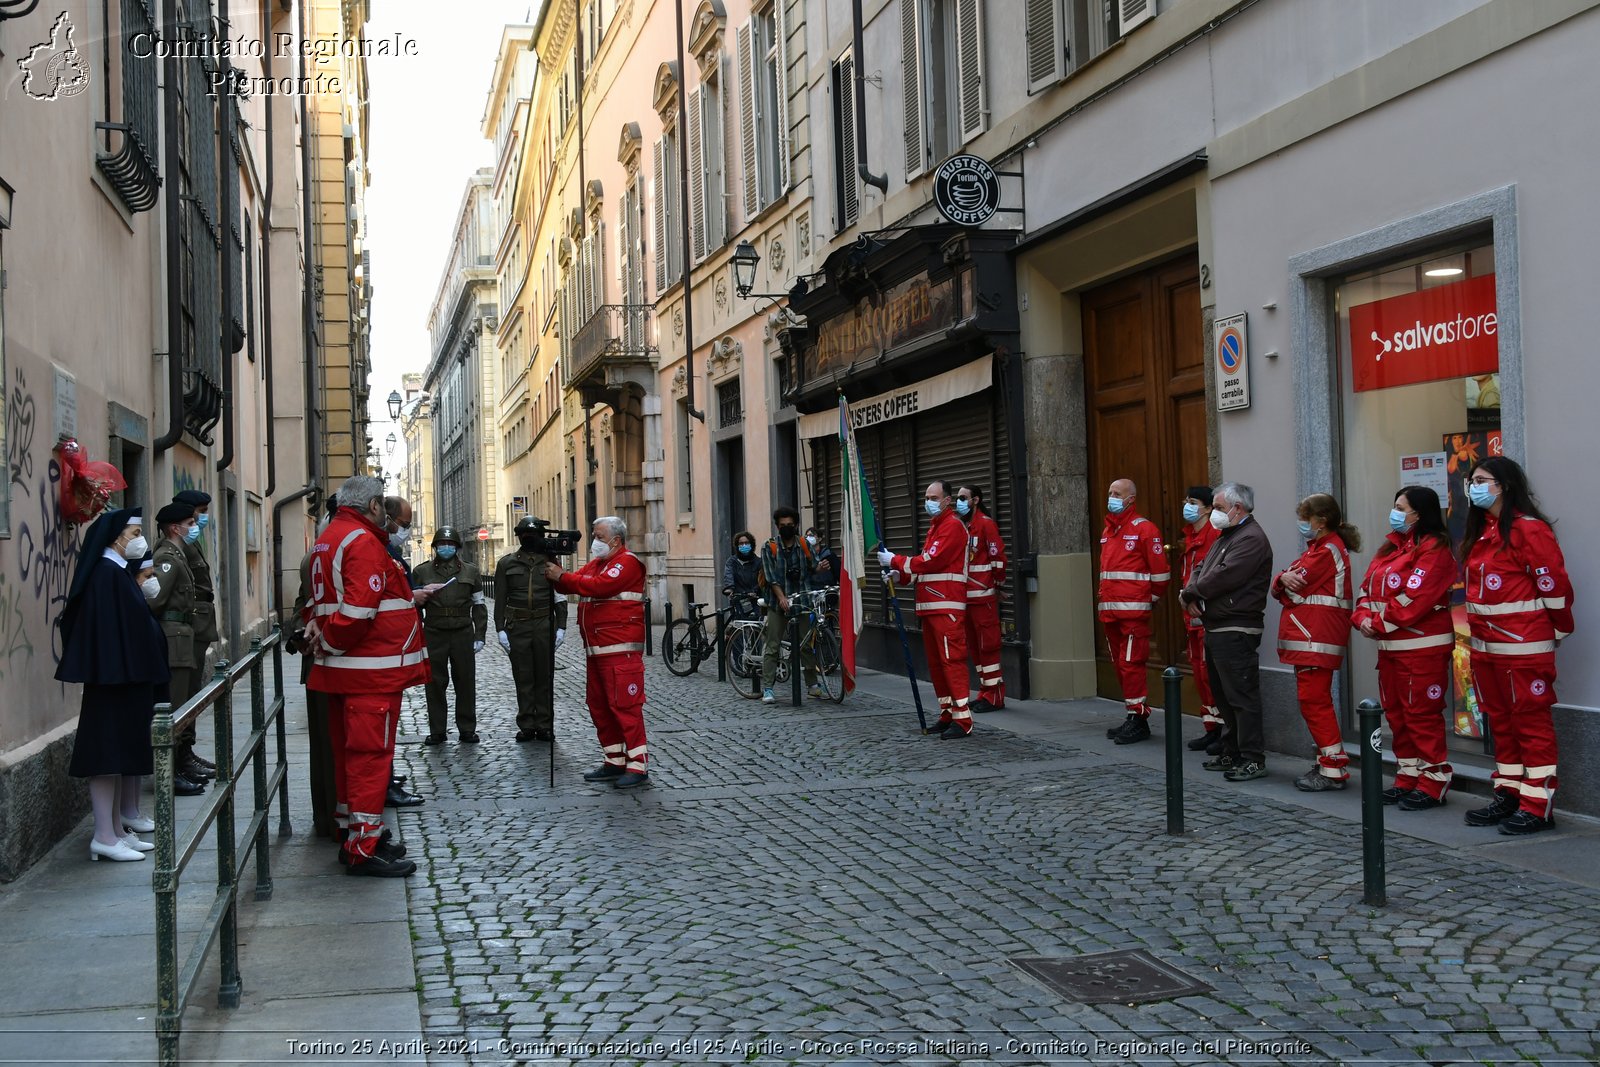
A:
[(1406, 595), (1315, 625), (371, 631), (1133, 567), (1519, 598), (1196, 543), (986, 558), (941, 571), (610, 603)]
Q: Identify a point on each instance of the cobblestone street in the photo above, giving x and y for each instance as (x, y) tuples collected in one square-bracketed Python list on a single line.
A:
[(830, 886)]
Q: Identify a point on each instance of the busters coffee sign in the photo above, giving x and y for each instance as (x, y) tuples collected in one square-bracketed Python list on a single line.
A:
[(1449, 331), (966, 190)]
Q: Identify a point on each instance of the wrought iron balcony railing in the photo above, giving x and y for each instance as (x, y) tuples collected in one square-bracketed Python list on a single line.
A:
[(614, 334)]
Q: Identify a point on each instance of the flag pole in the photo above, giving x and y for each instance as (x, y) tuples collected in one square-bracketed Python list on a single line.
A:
[(899, 620)]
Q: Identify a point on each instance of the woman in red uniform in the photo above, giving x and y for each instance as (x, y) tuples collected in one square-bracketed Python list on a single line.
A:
[(1315, 628), (1519, 604), (1405, 607)]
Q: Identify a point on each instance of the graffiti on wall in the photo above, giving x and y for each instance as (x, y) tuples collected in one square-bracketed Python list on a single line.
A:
[(14, 642), (19, 433), (46, 545)]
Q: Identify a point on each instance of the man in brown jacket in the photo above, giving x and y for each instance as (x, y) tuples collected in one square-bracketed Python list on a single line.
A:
[(1228, 592)]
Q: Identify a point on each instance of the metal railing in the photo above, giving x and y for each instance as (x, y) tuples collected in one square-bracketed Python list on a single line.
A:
[(618, 331), (175, 983)]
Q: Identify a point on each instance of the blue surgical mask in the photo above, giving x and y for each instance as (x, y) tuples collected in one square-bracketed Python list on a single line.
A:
[(933, 506), (1398, 521), (1305, 529), (963, 507), (191, 535), (1482, 496), (399, 538), (202, 520), (1191, 513), (446, 551), (1116, 504), (745, 550)]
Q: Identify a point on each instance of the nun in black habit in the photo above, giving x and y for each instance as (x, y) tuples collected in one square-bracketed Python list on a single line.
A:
[(112, 644)]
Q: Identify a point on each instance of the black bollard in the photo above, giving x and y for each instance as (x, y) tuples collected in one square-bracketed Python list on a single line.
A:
[(722, 645), (1372, 801), (794, 660), (1173, 681), (649, 632), (666, 627)]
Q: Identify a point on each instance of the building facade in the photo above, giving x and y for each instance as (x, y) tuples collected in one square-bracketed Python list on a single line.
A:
[(416, 481)]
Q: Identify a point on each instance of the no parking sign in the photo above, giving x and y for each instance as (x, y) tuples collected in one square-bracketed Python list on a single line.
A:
[(1233, 363)]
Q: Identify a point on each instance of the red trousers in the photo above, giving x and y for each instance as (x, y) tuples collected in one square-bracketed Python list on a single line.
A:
[(1129, 641), (616, 704), (1314, 687), (944, 640), (1211, 717), (983, 645), (1412, 688), (1517, 693), (361, 727)]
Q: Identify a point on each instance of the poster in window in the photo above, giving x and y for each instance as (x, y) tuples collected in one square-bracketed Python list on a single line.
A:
[(1462, 451)]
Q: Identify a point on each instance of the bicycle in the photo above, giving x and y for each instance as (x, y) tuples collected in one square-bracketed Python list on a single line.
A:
[(688, 642), (746, 643)]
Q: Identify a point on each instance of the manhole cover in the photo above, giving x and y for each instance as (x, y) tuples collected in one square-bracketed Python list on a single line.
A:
[(1126, 976)]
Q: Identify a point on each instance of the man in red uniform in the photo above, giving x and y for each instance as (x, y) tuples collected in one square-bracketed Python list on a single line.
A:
[(363, 625), (1133, 575), (941, 576), (1198, 537), (610, 590), (986, 578)]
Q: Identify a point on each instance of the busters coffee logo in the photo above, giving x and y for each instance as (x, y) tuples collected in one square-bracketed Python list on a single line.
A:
[(966, 190)]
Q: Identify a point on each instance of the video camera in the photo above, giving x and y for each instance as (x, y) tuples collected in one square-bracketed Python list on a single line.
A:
[(550, 542)]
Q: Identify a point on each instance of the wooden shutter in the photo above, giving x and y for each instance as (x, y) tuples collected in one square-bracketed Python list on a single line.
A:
[(715, 152), (659, 198), (697, 182), (1046, 44), (969, 67), (911, 23), (780, 15), (749, 65), (1131, 13), (845, 109), (597, 266)]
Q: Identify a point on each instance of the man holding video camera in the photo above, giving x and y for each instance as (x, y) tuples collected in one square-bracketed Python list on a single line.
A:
[(611, 619), (524, 604)]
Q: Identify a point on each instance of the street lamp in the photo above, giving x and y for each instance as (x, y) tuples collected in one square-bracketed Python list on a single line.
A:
[(389, 443), (745, 259), (394, 404)]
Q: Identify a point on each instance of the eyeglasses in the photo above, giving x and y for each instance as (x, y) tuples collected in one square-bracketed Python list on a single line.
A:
[(1485, 480)]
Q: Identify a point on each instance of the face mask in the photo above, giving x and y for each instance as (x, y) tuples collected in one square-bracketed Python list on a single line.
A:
[(963, 507), (1397, 521), (1116, 504), (1482, 496), (811, 539), (191, 535), (1219, 519), (399, 538), (745, 550), (151, 588), (1305, 529), (787, 532), (202, 520), (1191, 513), (933, 506), (136, 548), (598, 549), (447, 551)]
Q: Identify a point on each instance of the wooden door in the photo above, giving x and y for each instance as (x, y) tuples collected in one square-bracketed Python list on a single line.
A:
[(1144, 365)]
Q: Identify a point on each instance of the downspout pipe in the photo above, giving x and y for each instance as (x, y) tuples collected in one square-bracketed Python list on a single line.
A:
[(307, 490), (683, 218), (308, 289), (266, 296), (174, 259), (879, 181), (230, 218)]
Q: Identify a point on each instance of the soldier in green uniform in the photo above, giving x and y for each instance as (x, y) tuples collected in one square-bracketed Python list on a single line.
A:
[(173, 606), (193, 765), (455, 621), (523, 604)]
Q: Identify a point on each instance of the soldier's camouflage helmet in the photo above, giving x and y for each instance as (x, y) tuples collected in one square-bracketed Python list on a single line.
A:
[(447, 534)]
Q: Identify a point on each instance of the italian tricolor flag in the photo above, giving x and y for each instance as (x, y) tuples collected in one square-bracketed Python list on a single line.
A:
[(858, 538)]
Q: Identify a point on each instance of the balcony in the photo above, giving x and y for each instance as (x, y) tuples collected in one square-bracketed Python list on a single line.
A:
[(610, 351)]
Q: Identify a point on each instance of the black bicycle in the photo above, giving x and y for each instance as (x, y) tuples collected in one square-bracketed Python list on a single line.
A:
[(689, 641)]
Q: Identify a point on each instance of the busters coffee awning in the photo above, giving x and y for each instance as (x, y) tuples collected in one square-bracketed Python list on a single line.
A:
[(911, 399)]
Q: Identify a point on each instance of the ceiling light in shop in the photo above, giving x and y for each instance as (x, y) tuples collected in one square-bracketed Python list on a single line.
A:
[(1443, 272)]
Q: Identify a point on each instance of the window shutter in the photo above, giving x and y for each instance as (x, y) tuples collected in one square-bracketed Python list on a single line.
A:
[(749, 81), (911, 57), (1046, 44), (780, 10), (586, 279), (849, 189), (716, 157), (697, 184), (660, 213), (597, 267), (1131, 13), (969, 67)]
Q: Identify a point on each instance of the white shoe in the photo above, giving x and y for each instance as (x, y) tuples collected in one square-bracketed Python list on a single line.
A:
[(767, 697), (117, 851), (139, 824), (133, 842)]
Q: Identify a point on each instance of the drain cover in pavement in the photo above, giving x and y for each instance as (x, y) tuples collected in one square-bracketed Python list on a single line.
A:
[(1126, 976)]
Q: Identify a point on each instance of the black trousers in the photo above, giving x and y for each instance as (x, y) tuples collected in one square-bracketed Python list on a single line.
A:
[(1234, 662)]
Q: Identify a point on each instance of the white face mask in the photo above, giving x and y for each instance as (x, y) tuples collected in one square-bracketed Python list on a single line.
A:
[(1219, 519), (136, 548), (151, 587), (598, 549)]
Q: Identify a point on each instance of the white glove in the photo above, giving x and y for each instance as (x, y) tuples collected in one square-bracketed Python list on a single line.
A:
[(888, 576), (885, 558), (505, 641), (561, 635), (477, 646)]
